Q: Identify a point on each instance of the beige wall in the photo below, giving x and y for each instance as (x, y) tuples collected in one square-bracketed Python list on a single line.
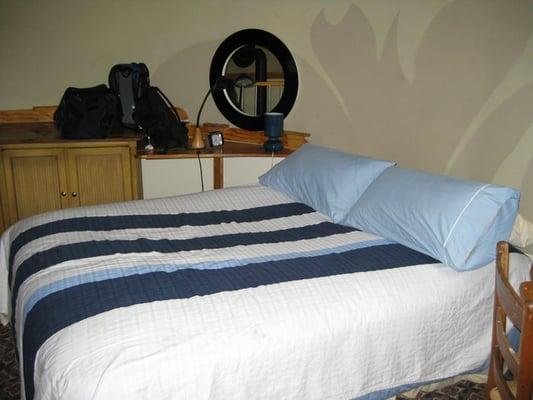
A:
[(441, 85)]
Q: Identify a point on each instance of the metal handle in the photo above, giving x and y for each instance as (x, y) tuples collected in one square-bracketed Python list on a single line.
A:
[(63, 194), (74, 194)]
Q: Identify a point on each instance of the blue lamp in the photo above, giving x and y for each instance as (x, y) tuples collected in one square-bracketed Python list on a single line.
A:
[(273, 130)]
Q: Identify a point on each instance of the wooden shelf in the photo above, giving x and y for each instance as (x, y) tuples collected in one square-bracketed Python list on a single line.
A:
[(291, 139), (229, 149)]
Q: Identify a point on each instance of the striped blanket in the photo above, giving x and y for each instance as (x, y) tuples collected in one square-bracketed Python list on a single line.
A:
[(240, 293)]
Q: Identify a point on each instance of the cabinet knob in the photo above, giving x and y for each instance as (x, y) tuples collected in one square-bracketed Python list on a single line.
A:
[(63, 194), (74, 194)]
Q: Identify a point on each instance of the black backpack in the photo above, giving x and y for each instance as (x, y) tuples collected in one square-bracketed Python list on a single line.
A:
[(87, 113), (158, 118), (128, 82)]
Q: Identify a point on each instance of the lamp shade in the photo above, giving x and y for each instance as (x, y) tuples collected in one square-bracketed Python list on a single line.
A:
[(273, 124), (273, 128)]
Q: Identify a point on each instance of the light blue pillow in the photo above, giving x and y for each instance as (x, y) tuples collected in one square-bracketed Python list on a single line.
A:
[(455, 221), (327, 180)]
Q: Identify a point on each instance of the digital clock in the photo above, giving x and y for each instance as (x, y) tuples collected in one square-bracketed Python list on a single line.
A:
[(216, 139)]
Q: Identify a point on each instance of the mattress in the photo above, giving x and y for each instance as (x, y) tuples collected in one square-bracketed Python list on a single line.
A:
[(237, 293)]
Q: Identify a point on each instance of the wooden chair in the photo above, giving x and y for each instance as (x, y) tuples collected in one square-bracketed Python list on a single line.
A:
[(518, 308)]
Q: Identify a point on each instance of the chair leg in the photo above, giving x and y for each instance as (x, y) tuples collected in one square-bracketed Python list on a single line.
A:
[(490, 381)]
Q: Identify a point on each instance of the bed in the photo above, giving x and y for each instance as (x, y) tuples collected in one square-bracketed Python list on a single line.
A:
[(237, 293)]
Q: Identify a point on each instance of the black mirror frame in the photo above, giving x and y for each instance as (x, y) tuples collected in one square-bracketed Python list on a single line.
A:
[(282, 53)]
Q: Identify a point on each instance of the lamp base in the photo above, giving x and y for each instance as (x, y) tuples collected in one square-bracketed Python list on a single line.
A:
[(197, 140), (273, 145)]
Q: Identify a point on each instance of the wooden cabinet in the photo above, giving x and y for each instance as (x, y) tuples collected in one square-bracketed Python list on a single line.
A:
[(39, 177), (99, 175), (34, 181)]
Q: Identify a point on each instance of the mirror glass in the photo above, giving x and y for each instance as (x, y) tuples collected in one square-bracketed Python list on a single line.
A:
[(262, 75), (258, 80)]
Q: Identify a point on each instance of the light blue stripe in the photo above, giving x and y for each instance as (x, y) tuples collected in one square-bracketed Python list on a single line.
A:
[(144, 269)]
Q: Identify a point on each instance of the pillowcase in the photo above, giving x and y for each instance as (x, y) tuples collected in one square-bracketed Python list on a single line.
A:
[(522, 234), (327, 180), (455, 221)]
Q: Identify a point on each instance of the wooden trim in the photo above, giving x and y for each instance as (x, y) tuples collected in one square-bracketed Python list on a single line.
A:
[(218, 173), (292, 140), (273, 82), (37, 114), (136, 178), (2, 228), (3, 191), (110, 142), (230, 149), (46, 114)]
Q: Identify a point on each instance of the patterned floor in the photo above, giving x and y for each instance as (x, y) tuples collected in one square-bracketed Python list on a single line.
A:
[(462, 390), (9, 378), (10, 385)]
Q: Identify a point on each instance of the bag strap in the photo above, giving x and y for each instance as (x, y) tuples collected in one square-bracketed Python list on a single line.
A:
[(169, 103)]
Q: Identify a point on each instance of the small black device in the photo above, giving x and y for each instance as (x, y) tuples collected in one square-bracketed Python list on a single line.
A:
[(216, 139)]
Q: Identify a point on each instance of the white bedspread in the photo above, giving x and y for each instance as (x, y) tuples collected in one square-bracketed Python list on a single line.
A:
[(333, 337)]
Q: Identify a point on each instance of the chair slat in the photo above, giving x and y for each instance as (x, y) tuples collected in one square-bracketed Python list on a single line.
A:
[(503, 388), (525, 377), (504, 345), (509, 300), (518, 308)]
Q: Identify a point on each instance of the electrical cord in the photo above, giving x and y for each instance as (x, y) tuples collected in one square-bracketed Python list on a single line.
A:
[(272, 160), (201, 171)]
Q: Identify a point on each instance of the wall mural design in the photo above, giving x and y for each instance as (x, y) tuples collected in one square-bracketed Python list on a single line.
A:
[(460, 103), (440, 85)]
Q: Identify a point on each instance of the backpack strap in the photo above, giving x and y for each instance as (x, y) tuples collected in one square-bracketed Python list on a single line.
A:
[(169, 103)]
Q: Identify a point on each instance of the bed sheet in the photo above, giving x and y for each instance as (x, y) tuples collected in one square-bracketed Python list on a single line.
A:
[(265, 302)]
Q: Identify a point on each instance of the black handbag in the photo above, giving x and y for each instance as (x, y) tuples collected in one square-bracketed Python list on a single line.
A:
[(158, 119), (87, 113)]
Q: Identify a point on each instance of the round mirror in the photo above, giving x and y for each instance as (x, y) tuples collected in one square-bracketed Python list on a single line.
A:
[(263, 75), (258, 80)]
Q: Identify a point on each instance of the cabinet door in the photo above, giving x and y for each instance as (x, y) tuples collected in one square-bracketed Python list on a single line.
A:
[(35, 182), (246, 170), (99, 175)]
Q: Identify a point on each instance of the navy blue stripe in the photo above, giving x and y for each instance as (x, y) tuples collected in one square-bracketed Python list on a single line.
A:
[(68, 306), (75, 251), (108, 223)]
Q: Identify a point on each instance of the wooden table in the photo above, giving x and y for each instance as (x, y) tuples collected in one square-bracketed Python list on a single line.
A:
[(229, 150)]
